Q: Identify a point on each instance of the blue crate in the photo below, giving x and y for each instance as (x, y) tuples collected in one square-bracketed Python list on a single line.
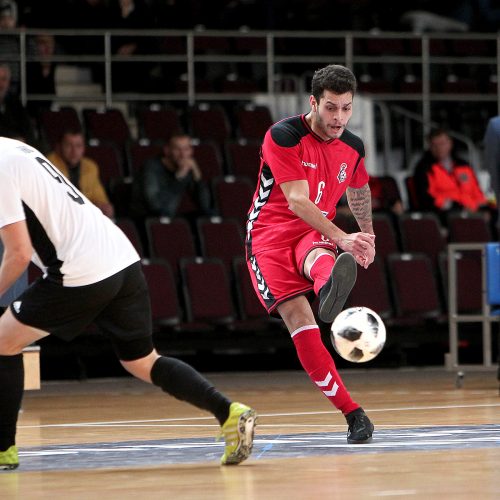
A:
[(493, 276)]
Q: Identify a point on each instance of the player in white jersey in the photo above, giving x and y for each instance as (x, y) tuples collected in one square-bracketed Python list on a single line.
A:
[(91, 274)]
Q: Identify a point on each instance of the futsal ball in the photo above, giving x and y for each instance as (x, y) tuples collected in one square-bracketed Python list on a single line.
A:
[(358, 334)]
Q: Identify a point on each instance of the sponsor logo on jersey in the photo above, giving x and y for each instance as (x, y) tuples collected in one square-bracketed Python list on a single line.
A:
[(309, 164), (17, 306), (342, 176)]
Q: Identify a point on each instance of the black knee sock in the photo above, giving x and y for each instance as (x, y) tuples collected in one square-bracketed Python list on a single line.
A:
[(183, 382), (11, 394)]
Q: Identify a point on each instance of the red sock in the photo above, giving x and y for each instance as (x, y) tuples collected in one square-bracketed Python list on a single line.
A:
[(319, 365), (321, 269)]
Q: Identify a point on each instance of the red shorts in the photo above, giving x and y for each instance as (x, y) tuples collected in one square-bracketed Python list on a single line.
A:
[(278, 273)]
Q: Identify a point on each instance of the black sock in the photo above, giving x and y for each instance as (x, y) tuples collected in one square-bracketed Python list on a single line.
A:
[(11, 394), (183, 382)]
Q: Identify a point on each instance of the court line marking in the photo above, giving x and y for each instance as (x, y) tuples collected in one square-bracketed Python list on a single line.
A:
[(267, 415)]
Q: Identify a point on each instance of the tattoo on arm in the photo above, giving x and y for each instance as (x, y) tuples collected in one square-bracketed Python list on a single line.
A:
[(360, 203)]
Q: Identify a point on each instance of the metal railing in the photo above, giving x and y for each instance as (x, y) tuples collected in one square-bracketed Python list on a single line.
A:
[(276, 53)]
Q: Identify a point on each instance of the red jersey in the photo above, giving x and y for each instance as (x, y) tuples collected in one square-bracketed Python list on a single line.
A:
[(292, 151)]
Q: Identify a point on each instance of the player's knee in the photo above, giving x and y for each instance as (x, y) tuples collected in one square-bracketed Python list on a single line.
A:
[(141, 368)]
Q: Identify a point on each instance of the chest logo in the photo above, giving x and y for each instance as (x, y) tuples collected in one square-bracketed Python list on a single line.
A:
[(342, 176)]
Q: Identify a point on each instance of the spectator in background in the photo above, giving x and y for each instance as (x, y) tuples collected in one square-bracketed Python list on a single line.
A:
[(15, 121), (83, 172), (445, 182), (40, 74), (130, 15), (166, 179), (9, 44), (492, 158)]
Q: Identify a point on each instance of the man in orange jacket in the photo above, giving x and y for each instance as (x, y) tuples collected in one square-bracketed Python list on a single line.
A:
[(443, 181)]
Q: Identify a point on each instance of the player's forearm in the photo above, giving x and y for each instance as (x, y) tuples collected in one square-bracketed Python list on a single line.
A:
[(304, 208), (11, 269), (360, 204)]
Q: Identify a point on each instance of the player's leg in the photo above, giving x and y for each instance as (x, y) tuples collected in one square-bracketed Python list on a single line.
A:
[(14, 336), (333, 279), (127, 321), (183, 382), (319, 365)]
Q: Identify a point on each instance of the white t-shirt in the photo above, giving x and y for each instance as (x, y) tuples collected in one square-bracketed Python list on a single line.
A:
[(74, 242)]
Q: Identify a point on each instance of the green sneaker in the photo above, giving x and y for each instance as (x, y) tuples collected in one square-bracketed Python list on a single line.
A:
[(238, 432), (9, 458)]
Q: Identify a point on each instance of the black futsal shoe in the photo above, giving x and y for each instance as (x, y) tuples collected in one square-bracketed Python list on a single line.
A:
[(360, 427), (334, 292)]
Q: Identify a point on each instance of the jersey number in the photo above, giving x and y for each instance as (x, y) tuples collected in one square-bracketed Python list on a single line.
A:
[(321, 186), (72, 193)]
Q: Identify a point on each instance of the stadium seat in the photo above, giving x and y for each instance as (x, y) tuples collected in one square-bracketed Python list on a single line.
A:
[(165, 308), (130, 229), (372, 290), (243, 158), (386, 238), (233, 197), (107, 125), (422, 232), (109, 160), (53, 122), (252, 121), (207, 291), (466, 227), (170, 240), (209, 159), (221, 238), (414, 287), (158, 123), (209, 122), (140, 151)]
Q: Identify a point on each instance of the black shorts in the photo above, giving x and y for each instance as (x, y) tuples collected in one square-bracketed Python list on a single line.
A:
[(119, 305)]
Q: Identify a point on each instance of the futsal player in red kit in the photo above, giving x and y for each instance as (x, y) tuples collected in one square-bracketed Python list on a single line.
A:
[(307, 163)]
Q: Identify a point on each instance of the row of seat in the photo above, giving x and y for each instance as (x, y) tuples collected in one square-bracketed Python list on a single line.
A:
[(223, 237), (405, 284), (204, 121)]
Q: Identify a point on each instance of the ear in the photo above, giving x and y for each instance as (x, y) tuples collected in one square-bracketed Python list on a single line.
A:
[(313, 103)]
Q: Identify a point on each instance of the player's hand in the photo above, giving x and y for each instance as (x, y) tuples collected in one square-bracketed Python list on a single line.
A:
[(361, 246)]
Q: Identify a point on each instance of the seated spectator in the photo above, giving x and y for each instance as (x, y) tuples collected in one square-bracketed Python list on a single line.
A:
[(40, 74), (83, 172), (15, 121), (9, 43), (165, 180), (445, 182)]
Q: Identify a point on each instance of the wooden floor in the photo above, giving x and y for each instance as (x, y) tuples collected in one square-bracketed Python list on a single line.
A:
[(122, 438)]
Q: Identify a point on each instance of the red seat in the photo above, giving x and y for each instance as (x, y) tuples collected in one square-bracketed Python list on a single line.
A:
[(233, 197), (243, 158), (158, 123), (466, 227), (414, 287), (170, 240), (221, 238), (422, 232), (130, 229), (207, 291), (209, 122), (252, 121), (165, 307), (107, 125), (109, 160), (53, 123), (208, 157)]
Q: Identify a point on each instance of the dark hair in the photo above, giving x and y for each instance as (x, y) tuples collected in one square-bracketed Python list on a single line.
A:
[(69, 131), (436, 133), (335, 78)]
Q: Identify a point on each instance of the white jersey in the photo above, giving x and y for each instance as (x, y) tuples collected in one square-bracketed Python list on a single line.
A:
[(74, 243)]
